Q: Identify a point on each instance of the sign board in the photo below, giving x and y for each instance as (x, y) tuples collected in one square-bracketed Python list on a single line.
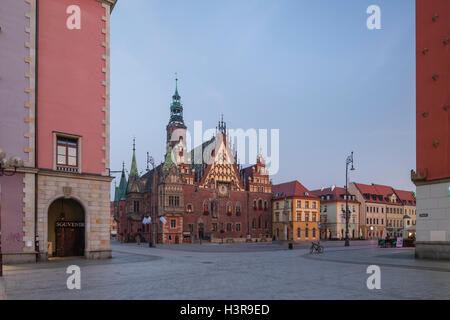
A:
[(423, 215), (68, 224), (400, 242), (163, 220)]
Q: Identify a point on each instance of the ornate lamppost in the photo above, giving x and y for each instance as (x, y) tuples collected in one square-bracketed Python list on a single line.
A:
[(5, 166), (347, 215)]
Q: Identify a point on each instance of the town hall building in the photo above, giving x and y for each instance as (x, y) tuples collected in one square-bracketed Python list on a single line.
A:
[(201, 195)]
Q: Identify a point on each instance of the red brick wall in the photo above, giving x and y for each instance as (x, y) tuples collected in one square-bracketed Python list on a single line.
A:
[(432, 120)]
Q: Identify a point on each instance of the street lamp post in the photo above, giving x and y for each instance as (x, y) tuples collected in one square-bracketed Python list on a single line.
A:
[(347, 215), (13, 162)]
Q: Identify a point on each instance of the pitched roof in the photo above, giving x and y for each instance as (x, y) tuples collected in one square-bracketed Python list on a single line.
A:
[(335, 193), (377, 193), (407, 196), (291, 189)]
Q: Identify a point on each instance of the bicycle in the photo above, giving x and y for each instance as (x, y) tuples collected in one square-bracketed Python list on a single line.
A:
[(316, 247)]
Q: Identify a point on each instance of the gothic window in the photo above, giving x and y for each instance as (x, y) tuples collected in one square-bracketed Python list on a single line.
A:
[(260, 222), (254, 223), (229, 208), (260, 204), (254, 204), (205, 206), (265, 205)]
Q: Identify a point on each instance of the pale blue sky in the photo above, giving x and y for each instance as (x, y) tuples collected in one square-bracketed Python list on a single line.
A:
[(309, 68)]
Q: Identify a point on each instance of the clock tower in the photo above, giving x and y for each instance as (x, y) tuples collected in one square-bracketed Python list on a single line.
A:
[(176, 129)]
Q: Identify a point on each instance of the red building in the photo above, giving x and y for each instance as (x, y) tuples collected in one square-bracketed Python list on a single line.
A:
[(189, 200), (432, 174)]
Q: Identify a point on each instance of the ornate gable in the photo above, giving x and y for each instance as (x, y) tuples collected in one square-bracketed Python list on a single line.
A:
[(222, 168)]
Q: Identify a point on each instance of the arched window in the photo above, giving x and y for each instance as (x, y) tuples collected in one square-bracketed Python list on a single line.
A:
[(254, 223), (229, 208), (306, 233), (314, 232), (205, 206), (298, 232), (254, 204), (260, 222), (265, 205), (260, 204)]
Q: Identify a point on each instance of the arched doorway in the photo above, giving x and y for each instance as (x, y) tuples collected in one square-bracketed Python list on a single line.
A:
[(66, 228)]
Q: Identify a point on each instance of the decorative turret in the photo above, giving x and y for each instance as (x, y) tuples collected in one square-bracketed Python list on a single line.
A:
[(134, 184), (121, 190)]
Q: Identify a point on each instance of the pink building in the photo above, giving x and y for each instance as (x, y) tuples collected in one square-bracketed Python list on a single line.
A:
[(55, 116)]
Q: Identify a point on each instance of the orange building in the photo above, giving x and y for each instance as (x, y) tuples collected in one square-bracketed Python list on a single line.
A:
[(295, 212)]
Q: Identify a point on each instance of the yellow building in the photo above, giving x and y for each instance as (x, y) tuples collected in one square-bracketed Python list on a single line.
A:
[(333, 202), (295, 212)]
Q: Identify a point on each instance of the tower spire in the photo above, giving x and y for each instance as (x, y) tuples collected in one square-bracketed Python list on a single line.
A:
[(133, 170), (176, 108)]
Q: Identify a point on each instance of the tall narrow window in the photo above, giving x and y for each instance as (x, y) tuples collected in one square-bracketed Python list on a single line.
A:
[(67, 152)]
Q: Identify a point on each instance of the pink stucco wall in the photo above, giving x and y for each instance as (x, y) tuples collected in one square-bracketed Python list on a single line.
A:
[(70, 79), (11, 207)]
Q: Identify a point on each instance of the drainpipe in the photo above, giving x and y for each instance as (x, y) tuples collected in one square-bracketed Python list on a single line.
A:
[(36, 236)]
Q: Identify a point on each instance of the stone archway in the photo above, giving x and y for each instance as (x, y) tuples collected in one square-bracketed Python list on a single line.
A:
[(66, 228)]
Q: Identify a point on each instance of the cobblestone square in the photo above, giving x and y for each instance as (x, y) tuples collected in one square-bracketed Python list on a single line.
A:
[(235, 271)]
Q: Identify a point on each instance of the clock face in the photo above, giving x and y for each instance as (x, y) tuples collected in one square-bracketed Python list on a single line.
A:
[(223, 190)]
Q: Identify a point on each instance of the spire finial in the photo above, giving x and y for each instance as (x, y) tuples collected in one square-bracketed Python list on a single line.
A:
[(134, 144)]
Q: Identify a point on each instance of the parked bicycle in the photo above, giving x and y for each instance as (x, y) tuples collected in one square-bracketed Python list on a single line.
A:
[(316, 247)]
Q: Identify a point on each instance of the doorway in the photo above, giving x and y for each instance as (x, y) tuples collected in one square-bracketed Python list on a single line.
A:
[(201, 231), (66, 228)]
